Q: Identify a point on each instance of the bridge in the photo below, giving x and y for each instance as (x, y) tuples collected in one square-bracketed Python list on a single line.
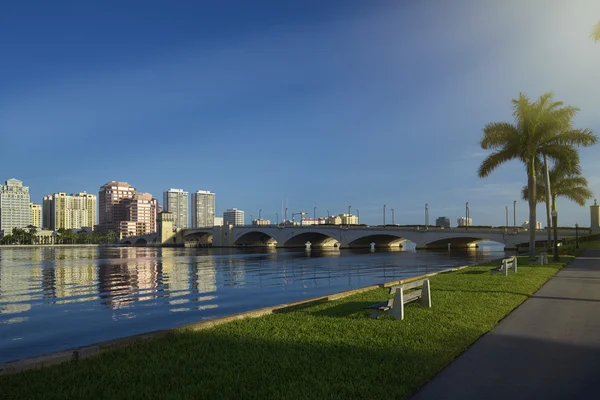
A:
[(342, 236)]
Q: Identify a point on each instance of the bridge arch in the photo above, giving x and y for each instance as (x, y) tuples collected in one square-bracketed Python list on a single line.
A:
[(198, 237), (380, 240), (141, 241), (316, 239), (255, 238)]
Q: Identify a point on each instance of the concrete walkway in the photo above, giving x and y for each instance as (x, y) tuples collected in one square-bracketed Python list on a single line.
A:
[(548, 348)]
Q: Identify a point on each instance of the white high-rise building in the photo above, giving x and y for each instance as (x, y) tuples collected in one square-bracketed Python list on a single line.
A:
[(175, 201), (203, 209), (14, 206), (464, 221), (233, 216)]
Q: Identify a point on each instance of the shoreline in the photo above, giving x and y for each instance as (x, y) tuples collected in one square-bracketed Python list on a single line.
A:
[(81, 352)]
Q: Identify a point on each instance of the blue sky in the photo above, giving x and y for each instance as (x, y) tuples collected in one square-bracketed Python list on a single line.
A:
[(328, 105)]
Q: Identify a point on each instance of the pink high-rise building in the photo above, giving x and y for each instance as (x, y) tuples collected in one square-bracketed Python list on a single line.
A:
[(140, 215), (111, 205)]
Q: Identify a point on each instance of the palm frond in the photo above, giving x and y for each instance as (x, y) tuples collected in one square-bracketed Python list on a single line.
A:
[(596, 32), (498, 134), (579, 195), (560, 153), (578, 137), (494, 160)]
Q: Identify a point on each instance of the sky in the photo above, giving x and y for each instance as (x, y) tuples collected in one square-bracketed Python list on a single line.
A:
[(313, 104)]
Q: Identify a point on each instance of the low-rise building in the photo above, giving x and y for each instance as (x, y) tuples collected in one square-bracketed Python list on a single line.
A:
[(218, 221), (313, 221), (261, 222), (538, 225), (443, 222)]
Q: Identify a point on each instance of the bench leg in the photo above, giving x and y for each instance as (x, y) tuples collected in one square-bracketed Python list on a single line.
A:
[(426, 294), (505, 267), (397, 310)]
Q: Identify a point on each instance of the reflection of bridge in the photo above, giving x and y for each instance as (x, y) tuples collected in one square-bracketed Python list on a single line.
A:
[(342, 236)]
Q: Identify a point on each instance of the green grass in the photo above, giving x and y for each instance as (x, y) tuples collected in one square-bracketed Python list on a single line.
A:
[(330, 350)]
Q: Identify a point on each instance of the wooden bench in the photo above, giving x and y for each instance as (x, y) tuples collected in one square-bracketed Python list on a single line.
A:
[(507, 263), (395, 305)]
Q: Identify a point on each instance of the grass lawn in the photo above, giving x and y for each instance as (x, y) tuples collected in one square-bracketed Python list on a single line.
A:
[(330, 350)]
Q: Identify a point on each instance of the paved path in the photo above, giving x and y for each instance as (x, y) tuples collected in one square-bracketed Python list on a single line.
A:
[(548, 348)]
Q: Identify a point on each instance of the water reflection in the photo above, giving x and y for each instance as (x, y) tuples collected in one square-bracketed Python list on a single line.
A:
[(56, 298)]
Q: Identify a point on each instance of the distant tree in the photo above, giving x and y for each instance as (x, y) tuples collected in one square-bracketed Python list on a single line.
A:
[(7, 239), (541, 128), (111, 237), (31, 235)]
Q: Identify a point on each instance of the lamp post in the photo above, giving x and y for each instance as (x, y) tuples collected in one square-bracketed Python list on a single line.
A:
[(515, 216), (384, 215), (357, 216), (314, 215), (277, 215), (285, 221), (426, 216), (505, 229), (467, 216), (327, 216), (576, 235), (393, 220), (554, 224), (259, 214)]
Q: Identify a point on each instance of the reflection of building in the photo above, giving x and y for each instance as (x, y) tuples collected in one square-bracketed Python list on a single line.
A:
[(218, 221), (203, 209), (261, 222), (175, 201), (15, 286), (36, 214), (74, 281), (69, 211), (463, 221), (443, 222), (538, 225), (14, 206), (595, 215), (233, 216), (111, 200)]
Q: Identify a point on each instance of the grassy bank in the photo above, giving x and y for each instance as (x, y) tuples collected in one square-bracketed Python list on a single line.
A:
[(330, 350)]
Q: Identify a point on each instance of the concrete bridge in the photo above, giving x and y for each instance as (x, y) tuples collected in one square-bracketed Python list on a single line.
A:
[(342, 236)]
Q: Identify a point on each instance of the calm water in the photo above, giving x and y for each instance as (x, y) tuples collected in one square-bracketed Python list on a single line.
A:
[(55, 298)]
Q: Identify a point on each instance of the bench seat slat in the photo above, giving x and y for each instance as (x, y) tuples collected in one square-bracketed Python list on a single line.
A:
[(412, 285), (412, 296)]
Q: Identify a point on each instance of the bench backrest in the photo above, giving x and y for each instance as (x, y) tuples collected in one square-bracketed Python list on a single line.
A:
[(409, 285)]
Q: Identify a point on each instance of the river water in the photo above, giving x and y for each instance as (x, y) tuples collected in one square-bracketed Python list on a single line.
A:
[(55, 298)]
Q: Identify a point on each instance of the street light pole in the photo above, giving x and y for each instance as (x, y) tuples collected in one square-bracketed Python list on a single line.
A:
[(327, 216), (277, 215), (554, 224), (506, 218), (259, 214), (426, 216), (515, 216), (285, 221), (393, 220), (576, 235), (314, 215), (384, 215), (357, 216), (467, 216)]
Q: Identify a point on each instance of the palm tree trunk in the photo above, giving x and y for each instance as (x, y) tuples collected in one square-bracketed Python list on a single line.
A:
[(548, 197), (531, 181)]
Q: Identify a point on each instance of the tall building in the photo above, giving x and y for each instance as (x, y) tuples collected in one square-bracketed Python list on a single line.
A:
[(14, 206), (111, 199), (595, 216), (443, 222), (175, 201), (36, 214), (203, 209), (72, 211), (233, 216), (141, 215), (463, 221)]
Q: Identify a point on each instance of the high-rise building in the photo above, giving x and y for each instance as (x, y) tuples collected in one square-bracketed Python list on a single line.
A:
[(443, 222), (72, 211), (36, 214), (595, 216), (233, 216), (14, 206), (111, 200), (141, 215), (464, 221), (175, 201), (203, 209)]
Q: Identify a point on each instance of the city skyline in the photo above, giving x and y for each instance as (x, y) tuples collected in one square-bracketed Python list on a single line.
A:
[(312, 104)]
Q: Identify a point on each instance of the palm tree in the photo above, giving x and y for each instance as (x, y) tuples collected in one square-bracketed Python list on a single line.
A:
[(541, 128), (596, 32), (565, 182)]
